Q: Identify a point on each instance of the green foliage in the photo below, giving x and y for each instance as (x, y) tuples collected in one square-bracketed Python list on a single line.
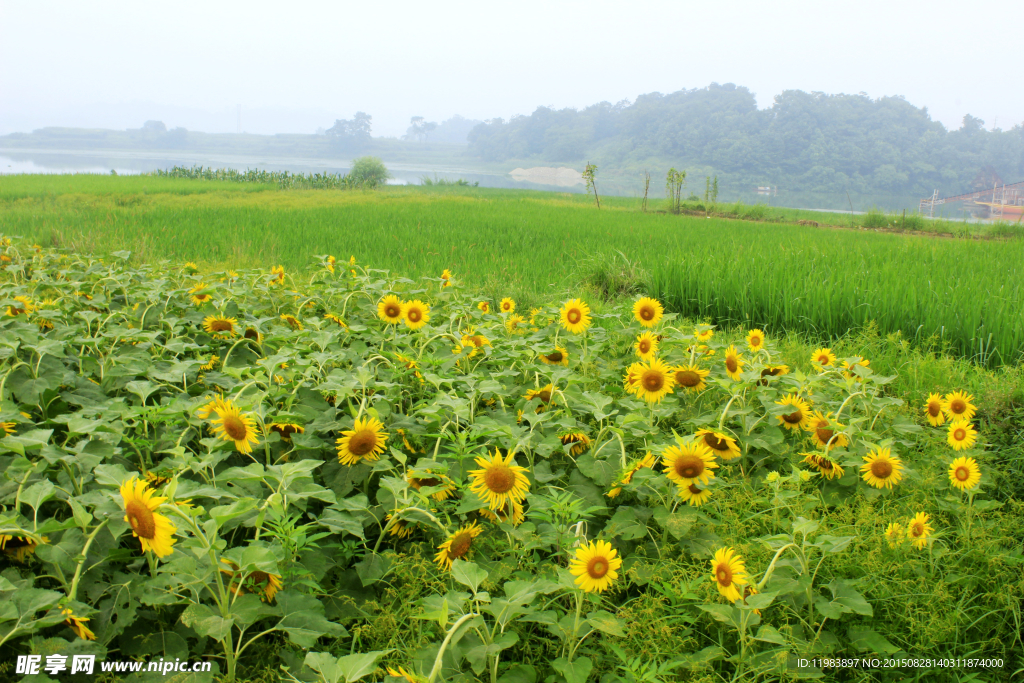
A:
[(367, 173), (674, 182)]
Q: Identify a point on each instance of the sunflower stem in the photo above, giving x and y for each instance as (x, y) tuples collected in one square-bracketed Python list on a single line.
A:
[(575, 625), (444, 645), (85, 551)]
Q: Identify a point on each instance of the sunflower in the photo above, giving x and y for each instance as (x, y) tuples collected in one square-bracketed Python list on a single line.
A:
[(231, 425), (703, 333), (918, 530), (499, 481), (507, 305), (26, 307), (895, 534), (825, 432), (578, 442), (799, 418), (431, 480), (515, 515), (363, 443), (209, 365), (648, 461), (7, 428), (958, 406), (654, 381), (695, 495), (153, 530), (755, 340), (389, 309), (399, 528), (728, 573), (457, 546), (961, 435), (557, 357), (278, 273), (545, 394), (647, 311), (292, 322), (77, 624), (690, 378), (408, 676), (515, 324), (330, 263), (688, 464), (733, 363), (219, 326), (964, 473), (198, 296), (207, 408), (20, 547), (823, 358), (336, 320), (850, 369), (417, 314), (630, 381), (484, 306), (772, 371), (575, 316), (475, 340), (446, 276), (264, 584), (252, 334), (828, 467), (722, 445), (646, 346), (935, 409), (881, 469), (595, 566), (286, 429)]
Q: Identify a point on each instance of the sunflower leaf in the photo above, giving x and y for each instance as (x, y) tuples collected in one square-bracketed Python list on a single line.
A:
[(469, 574)]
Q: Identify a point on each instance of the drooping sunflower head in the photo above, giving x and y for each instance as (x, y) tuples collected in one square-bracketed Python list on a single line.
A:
[(850, 370), (457, 546), (277, 275), (499, 480), (430, 480), (649, 461), (689, 463), (557, 357), (575, 316), (363, 443), (961, 435), (918, 530), (292, 322), (882, 469), (935, 410), (190, 267), (252, 334), (515, 324), (690, 378), (210, 364), (800, 415), (722, 445), (895, 534), (647, 311), (231, 425), (263, 584), (694, 495), (964, 473), (576, 441), (654, 381), (484, 306), (286, 429), (545, 394), (507, 305), (595, 566), (336, 320), (825, 432), (959, 407), (733, 362), (823, 358), (825, 465), (219, 326), (154, 531), (390, 309), (475, 340), (417, 314), (755, 340), (772, 371), (330, 263), (728, 573), (18, 548), (25, 306)]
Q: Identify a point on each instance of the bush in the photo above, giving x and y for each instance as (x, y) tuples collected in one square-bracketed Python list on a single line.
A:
[(368, 173), (874, 218)]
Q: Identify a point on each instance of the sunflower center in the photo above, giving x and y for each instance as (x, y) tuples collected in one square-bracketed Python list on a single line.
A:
[(755, 341), (916, 529), (824, 434), (962, 473), (574, 316), (957, 406), (794, 418), (251, 334), (234, 427), (714, 443), (141, 519), (414, 315), (555, 356), (505, 307), (770, 372), (647, 313), (221, 326), (824, 464), (687, 378), (934, 408), (645, 346), (653, 380), (597, 567), (694, 489), (429, 481), (724, 575), (689, 466), (499, 478), (459, 545), (960, 434), (823, 360), (259, 577), (544, 395), (362, 442), (881, 469), (392, 311), (730, 364)]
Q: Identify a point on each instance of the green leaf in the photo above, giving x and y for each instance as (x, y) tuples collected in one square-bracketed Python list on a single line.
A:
[(769, 634), (576, 671), (372, 569), (865, 638), (222, 514), (606, 622), (468, 574), (626, 524), (37, 494), (354, 667), (304, 619)]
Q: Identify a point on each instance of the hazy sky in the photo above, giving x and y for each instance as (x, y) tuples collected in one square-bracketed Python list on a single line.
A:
[(297, 65)]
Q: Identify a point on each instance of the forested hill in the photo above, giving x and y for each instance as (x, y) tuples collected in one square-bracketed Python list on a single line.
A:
[(811, 142)]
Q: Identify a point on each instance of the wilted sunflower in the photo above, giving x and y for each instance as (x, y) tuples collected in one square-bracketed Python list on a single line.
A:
[(286, 429), (484, 306), (703, 333), (363, 443), (417, 314), (646, 346), (958, 406), (654, 381), (515, 324), (579, 441), (648, 461), (19, 548), (881, 469), (722, 445), (755, 340), (292, 322), (219, 326), (557, 357), (595, 566), (231, 425), (457, 546), (688, 464), (772, 371), (799, 418), (964, 473), (733, 363), (934, 410), (728, 573), (895, 534), (961, 435), (278, 275), (918, 530), (499, 481), (825, 432), (690, 378), (389, 309), (154, 531), (695, 495), (850, 369), (647, 311), (198, 296), (828, 467), (507, 305), (545, 394), (26, 306), (431, 480), (575, 316), (264, 584), (823, 358)]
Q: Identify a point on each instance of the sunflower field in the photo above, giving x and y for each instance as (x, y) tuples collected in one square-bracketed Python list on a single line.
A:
[(352, 475)]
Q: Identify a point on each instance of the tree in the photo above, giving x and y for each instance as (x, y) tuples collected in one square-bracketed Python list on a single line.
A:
[(588, 175), (356, 129), (419, 129), (674, 181), (154, 127), (367, 173)]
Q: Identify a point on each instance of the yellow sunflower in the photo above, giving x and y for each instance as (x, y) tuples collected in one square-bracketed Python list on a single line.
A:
[(961, 435), (209, 365), (881, 469), (231, 425), (646, 346), (755, 340), (278, 275), (262, 583), (286, 429), (828, 467), (198, 296), (703, 333), (292, 322), (772, 371), (688, 464), (895, 534), (512, 513), (398, 528), (476, 341), (578, 442), (690, 378), (825, 432), (499, 481), (722, 445), (695, 495), (647, 311), (252, 334), (417, 314), (595, 566), (654, 381), (77, 624), (546, 394), (648, 461), (849, 369), (630, 381), (390, 310), (26, 306), (507, 305), (823, 358), (330, 263), (964, 473), (734, 363), (8, 428), (336, 320), (959, 407), (457, 546), (515, 324), (219, 326), (484, 306), (799, 418), (557, 357), (431, 480), (19, 548), (363, 443), (407, 676), (918, 530), (446, 276), (728, 573), (575, 316), (935, 409), (153, 530)]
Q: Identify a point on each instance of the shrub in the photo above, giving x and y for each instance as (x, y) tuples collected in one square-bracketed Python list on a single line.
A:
[(368, 172)]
